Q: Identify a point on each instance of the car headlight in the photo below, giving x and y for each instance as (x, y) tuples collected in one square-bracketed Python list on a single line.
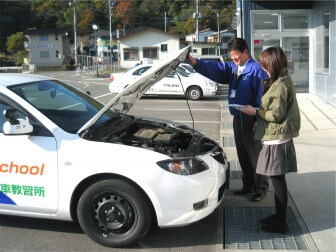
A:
[(210, 83), (183, 166)]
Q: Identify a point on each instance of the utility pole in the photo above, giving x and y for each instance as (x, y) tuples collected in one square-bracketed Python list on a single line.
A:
[(110, 15), (75, 32), (197, 32), (165, 21), (218, 28)]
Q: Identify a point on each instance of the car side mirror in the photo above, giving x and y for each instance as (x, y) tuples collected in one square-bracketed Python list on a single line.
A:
[(14, 125)]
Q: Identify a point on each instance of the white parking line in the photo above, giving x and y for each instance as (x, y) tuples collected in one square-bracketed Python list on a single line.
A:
[(212, 110), (92, 79), (214, 122), (97, 97)]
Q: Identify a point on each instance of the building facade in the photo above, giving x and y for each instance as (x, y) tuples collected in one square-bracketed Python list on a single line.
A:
[(149, 43), (306, 30), (47, 48)]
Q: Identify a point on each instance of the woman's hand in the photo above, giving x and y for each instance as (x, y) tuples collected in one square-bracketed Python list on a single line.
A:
[(248, 109)]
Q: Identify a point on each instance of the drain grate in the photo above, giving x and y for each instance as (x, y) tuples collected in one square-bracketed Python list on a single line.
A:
[(228, 141), (235, 170), (242, 231)]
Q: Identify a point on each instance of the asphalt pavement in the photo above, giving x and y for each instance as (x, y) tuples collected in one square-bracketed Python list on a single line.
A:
[(311, 190)]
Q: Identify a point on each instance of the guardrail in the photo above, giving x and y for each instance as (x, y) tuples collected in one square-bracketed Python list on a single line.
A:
[(11, 69)]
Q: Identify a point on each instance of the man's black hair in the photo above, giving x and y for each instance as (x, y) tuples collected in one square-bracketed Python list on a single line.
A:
[(238, 44)]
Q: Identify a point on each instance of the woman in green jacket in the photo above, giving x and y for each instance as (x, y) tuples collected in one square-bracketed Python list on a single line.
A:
[(278, 122)]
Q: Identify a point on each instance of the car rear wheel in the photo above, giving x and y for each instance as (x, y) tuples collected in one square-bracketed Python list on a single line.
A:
[(114, 213), (194, 93)]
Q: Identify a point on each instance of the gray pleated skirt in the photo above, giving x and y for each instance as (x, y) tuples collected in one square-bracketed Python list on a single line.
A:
[(277, 159)]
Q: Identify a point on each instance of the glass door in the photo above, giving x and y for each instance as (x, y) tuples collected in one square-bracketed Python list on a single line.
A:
[(297, 51), (259, 45)]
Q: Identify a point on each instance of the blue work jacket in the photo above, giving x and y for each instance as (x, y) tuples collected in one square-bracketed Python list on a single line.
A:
[(248, 85)]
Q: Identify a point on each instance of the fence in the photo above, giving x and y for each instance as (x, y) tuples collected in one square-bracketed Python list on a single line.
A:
[(93, 65)]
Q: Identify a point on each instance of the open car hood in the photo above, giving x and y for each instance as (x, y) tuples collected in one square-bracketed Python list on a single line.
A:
[(125, 100)]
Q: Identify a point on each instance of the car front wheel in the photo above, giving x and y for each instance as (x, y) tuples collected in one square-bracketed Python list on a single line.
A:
[(114, 213), (194, 93)]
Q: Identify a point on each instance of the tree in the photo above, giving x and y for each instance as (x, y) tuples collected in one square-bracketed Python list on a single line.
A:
[(15, 42), (15, 45), (125, 12), (15, 16)]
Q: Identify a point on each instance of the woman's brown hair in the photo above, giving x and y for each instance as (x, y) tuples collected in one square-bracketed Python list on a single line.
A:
[(274, 60)]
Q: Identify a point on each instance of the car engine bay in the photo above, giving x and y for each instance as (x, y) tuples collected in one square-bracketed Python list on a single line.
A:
[(169, 139)]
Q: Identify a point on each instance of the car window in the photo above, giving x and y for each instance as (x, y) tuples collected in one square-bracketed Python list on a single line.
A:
[(182, 69), (141, 70), (66, 106), (182, 73), (171, 74), (190, 68)]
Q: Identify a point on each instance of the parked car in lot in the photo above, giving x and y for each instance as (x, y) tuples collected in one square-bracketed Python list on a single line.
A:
[(66, 156), (178, 82)]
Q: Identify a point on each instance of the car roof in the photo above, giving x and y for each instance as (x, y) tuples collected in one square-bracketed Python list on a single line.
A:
[(9, 79)]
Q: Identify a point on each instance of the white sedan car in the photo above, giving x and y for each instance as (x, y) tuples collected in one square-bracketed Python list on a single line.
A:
[(178, 82), (66, 156)]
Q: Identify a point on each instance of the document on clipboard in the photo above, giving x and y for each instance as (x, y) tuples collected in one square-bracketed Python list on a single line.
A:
[(239, 107)]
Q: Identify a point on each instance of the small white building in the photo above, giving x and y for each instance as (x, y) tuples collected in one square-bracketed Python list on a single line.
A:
[(147, 43), (203, 35), (47, 47)]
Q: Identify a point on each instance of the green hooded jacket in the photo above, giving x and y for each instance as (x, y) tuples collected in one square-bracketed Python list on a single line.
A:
[(279, 115)]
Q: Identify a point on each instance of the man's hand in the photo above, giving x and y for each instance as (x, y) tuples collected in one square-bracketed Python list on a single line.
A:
[(191, 59), (249, 110)]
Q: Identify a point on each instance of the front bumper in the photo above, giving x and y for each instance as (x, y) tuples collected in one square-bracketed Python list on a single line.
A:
[(209, 91), (181, 200)]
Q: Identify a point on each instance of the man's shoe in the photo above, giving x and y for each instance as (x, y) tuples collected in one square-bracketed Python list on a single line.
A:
[(242, 192), (258, 196), (281, 228), (269, 220)]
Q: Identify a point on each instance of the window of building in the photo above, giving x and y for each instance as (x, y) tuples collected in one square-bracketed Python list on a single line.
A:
[(290, 30), (56, 36), (265, 21), (322, 41), (295, 20), (209, 51), (150, 52), (43, 37), (44, 54), (131, 53), (164, 48), (225, 39), (57, 54)]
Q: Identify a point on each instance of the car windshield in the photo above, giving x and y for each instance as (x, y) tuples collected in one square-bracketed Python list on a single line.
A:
[(65, 105)]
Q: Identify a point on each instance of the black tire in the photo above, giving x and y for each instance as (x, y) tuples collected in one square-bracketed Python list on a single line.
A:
[(194, 93), (114, 213)]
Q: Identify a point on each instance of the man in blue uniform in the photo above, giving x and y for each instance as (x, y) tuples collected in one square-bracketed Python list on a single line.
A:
[(244, 76)]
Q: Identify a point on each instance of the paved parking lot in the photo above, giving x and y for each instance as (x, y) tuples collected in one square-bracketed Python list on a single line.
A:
[(234, 224)]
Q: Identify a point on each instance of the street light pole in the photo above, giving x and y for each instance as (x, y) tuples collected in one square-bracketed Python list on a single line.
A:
[(75, 32), (95, 28), (110, 15)]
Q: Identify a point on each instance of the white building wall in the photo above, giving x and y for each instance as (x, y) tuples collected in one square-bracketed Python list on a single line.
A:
[(148, 39), (36, 46), (324, 84)]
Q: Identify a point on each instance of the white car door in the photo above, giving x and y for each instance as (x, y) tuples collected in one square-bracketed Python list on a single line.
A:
[(168, 85), (28, 168)]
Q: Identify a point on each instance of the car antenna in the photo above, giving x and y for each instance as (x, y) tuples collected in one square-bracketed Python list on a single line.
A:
[(192, 118)]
